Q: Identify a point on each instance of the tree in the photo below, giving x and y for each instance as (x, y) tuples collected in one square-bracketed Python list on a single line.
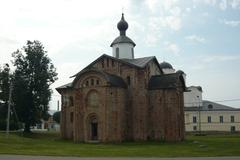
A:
[(4, 94), (56, 116), (32, 79)]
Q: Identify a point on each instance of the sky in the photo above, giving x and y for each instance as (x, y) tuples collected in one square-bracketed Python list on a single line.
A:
[(200, 37)]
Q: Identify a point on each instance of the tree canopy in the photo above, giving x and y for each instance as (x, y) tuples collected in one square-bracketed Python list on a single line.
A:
[(56, 116), (32, 78), (4, 94)]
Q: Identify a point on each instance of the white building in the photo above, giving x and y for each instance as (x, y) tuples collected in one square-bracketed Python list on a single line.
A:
[(193, 97), (201, 115), (212, 117)]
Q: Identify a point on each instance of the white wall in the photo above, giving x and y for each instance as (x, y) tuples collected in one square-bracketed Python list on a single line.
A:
[(193, 98), (215, 124), (168, 70), (125, 50)]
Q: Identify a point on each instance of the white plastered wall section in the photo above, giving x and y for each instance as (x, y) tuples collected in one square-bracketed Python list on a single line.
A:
[(126, 50)]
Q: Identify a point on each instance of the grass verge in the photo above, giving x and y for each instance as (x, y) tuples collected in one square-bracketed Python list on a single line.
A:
[(49, 143)]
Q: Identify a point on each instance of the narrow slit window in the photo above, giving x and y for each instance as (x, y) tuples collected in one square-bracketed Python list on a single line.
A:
[(92, 82), (107, 62), (103, 63), (117, 52), (128, 80)]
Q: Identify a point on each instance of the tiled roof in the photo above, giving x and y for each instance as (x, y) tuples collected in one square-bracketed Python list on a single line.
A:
[(69, 85), (211, 106), (165, 81), (112, 79), (139, 62), (122, 39)]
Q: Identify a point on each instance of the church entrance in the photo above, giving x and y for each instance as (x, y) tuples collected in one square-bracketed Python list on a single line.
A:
[(94, 131), (93, 128)]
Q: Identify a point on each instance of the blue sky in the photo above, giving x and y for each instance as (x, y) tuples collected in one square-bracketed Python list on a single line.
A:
[(200, 37)]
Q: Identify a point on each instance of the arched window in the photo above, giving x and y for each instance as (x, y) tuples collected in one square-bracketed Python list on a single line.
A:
[(93, 99), (71, 101), (117, 52)]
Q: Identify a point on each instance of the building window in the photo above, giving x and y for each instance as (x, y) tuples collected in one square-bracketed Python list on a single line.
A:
[(71, 117), (103, 63), (97, 82), (233, 129), (87, 83), (232, 119), (128, 80), (209, 119), (210, 106), (194, 119), (117, 52), (221, 119), (64, 100), (70, 101), (107, 62), (194, 128), (92, 82), (112, 62)]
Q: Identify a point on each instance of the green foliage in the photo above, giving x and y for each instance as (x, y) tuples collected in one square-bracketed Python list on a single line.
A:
[(56, 116), (32, 79), (49, 143), (5, 76)]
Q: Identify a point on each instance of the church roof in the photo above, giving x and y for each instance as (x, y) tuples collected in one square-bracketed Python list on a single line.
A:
[(112, 79), (65, 86), (166, 65), (211, 106), (166, 81), (137, 62), (122, 39)]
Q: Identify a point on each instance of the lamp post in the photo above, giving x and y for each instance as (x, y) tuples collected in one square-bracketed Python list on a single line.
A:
[(9, 108)]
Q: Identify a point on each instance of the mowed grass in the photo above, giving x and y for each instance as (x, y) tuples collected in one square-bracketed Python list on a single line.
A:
[(50, 144)]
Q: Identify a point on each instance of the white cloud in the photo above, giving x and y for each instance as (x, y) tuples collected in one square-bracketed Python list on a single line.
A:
[(220, 58), (231, 23), (171, 22), (223, 5), (235, 4), (195, 38), (172, 47)]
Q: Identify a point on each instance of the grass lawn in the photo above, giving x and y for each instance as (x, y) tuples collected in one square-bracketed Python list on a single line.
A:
[(50, 144)]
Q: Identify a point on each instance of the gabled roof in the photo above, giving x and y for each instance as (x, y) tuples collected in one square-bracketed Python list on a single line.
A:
[(137, 62), (211, 106), (113, 80), (166, 81), (68, 85)]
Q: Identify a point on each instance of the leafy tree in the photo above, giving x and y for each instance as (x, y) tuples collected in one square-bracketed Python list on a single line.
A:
[(56, 116), (32, 79), (4, 94)]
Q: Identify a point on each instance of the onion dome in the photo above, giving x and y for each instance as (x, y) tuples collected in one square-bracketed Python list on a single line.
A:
[(122, 25), (122, 38), (166, 65), (180, 72)]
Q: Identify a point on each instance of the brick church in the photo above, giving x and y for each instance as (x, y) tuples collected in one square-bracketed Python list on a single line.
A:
[(120, 97)]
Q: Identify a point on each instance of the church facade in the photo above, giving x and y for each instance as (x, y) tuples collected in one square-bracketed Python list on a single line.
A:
[(120, 97)]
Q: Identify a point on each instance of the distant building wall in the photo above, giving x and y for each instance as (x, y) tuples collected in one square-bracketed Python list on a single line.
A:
[(193, 97), (210, 121)]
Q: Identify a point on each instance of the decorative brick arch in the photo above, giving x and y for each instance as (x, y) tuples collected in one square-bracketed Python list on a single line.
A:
[(93, 127)]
